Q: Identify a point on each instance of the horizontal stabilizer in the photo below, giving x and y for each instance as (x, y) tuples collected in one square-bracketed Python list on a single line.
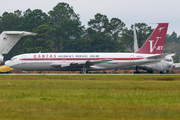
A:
[(170, 55), (22, 33), (161, 56)]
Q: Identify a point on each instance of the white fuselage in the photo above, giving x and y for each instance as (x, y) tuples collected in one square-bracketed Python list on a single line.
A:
[(44, 61)]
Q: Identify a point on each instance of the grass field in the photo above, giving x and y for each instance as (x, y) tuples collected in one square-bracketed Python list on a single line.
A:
[(88, 97)]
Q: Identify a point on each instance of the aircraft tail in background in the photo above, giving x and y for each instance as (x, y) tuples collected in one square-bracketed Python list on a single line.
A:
[(135, 39), (9, 38), (155, 43)]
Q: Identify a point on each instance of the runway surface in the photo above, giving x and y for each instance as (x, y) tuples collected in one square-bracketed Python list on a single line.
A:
[(88, 74)]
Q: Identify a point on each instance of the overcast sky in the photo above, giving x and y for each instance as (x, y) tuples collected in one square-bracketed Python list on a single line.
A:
[(129, 11)]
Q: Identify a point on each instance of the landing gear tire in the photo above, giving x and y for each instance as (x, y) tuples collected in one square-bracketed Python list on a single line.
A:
[(163, 72), (150, 72)]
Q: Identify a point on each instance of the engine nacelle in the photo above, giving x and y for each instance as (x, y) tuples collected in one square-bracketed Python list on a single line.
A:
[(1, 59)]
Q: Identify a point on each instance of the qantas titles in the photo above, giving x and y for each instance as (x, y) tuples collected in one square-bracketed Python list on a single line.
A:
[(63, 56)]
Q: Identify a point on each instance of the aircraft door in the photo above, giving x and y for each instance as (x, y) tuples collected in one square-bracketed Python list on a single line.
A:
[(131, 58), (64, 59), (24, 59)]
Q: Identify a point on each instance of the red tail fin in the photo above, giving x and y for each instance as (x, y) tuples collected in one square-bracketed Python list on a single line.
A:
[(155, 43)]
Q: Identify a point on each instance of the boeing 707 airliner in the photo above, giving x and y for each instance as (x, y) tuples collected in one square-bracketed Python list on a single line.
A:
[(150, 52)]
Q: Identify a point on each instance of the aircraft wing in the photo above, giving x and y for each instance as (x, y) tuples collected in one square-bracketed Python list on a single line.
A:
[(59, 64), (101, 61), (74, 64)]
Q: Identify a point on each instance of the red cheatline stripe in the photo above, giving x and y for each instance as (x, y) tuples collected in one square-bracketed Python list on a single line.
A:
[(30, 59)]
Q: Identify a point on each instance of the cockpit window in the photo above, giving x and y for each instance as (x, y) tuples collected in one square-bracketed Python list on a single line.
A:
[(168, 60), (12, 59)]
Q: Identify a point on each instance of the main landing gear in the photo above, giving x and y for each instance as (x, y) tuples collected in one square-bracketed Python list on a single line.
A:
[(84, 70), (137, 71), (86, 65)]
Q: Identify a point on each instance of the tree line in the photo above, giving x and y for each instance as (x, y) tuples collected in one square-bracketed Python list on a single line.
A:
[(60, 30)]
